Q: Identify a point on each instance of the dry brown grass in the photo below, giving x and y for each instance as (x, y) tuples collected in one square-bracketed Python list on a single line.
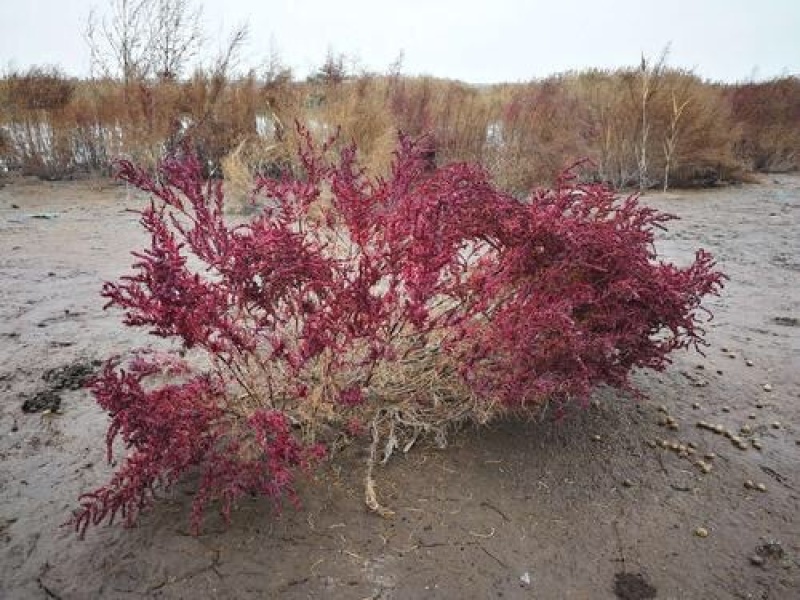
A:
[(524, 133), (767, 116)]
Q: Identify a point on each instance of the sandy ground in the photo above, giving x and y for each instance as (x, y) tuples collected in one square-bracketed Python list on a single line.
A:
[(585, 508)]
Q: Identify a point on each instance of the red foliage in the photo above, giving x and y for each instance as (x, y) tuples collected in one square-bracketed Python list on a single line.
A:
[(170, 429), (535, 300)]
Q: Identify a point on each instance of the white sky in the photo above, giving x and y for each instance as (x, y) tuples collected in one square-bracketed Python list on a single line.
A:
[(476, 41)]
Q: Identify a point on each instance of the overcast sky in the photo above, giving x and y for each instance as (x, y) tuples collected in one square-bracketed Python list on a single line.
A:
[(476, 41)]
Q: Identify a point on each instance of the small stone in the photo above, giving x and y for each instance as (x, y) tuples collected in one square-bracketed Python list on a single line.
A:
[(767, 387), (759, 405), (664, 444), (705, 467), (651, 443), (662, 409), (681, 448), (675, 446), (699, 367), (701, 532), (749, 484), (719, 371), (627, 483), (718, 429), (691, 445), (731, 355), (702, 425), (751, 416), (749, 363), (742, 445), (776, 425), (726, 409), (757, 445), (709, 456), (756, 560), (696, 405), (761, 487), (672, 426), (724, 350), (597, 438), (745, 429), (690, 451)]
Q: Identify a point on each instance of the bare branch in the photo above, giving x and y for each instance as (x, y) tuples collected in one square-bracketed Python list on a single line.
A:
[(178, 36), (137, 39), (229, 57)]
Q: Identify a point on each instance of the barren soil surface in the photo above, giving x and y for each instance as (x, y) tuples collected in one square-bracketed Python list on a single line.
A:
[(582, 508)]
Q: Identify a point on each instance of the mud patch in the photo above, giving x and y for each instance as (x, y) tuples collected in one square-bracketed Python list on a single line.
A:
[(46, 400), (65, 378), (71, 377), (787, 321), (786, 261), (633, 586)]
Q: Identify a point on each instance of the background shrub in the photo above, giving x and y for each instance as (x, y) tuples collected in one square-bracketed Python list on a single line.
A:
[(694, 132)]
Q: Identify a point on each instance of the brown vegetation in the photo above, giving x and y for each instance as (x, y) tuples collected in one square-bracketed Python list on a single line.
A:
[(768, 118), (643, 126)]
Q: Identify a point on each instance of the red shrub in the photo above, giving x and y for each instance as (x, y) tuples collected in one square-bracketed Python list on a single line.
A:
[(328, 305)]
